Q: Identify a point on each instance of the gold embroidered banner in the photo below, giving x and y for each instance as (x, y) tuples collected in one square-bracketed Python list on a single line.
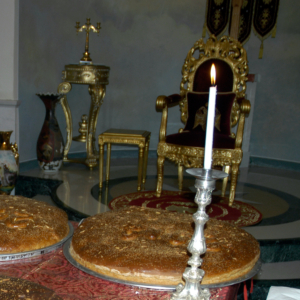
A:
[(264, 20), (217, 17), (245, 21), (259, 14)]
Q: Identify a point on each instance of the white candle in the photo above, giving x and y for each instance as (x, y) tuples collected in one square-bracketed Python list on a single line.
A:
[(210, 123)]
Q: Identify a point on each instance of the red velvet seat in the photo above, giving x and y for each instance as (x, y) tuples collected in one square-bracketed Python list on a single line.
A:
[(197, 139)]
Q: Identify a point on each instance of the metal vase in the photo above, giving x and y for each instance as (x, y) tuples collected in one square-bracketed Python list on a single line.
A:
[(50, 144)]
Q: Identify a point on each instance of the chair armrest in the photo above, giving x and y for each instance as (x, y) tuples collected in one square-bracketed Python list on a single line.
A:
[(245, 107), (162, 103), (169, 101)]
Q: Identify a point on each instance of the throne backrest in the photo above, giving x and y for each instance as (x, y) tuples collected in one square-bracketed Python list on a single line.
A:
[(202, 80), (231, 63)]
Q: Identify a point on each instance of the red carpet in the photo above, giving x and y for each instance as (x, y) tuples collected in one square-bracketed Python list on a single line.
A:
[(239, 214)]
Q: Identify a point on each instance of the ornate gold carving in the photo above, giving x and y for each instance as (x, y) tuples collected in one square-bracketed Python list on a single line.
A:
[(6, 145), (83, 128), (201, 118), (160, 175), (66, 109), (64, 88), (96, 77), (87, 27), (193, 157), (14, 149), (161, 103), (86, 74), (227, 49), (122, 141)]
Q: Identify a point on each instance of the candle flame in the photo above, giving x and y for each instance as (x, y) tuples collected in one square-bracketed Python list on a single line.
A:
[(213, 74)]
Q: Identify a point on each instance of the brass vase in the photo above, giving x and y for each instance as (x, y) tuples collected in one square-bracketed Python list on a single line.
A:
[(50, 144), (9, 163)]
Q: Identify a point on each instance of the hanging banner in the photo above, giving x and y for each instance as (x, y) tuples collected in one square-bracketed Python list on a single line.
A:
[(245, 21), (217, 17), (264, 20)]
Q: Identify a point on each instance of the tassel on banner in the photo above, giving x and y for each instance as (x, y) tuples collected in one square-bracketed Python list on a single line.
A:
[(265, 20), (261, 50)]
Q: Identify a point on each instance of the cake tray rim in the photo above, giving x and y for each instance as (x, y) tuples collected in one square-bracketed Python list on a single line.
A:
[(66, 251), (37, 252)]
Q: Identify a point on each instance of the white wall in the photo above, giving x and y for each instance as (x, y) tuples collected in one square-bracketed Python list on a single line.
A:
[(9, 57), (145, 44)]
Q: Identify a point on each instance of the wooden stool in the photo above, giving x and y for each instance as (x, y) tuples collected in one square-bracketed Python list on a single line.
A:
[(140, 138)]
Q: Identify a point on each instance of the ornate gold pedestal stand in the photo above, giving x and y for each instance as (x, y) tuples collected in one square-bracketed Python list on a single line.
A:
[(96, 77)]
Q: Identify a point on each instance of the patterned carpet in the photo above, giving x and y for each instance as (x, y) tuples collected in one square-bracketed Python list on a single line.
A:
[(239, 214)]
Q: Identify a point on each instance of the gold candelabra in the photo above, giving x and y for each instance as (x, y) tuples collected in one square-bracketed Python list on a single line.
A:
[(87, 27)]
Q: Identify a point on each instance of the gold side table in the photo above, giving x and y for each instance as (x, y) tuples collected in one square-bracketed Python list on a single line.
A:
[(96, 77), (122, 136)]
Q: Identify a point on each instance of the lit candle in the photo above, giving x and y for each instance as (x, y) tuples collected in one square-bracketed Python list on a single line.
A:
[(210, 123)]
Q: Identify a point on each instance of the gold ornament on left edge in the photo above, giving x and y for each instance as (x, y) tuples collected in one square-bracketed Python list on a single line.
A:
[(9, 163)]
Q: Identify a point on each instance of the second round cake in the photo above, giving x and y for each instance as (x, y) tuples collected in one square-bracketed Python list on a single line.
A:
[(150, 246)]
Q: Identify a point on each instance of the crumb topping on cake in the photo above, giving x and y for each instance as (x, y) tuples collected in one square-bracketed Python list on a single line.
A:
[(27, 224), (150, 245)]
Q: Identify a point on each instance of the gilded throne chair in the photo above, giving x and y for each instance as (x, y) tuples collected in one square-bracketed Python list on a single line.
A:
[(186, 148)]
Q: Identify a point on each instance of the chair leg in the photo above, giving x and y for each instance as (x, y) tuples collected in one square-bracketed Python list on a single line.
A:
[(108, 154), (225, 180), (160, 175), (145, 163), (101, 155), (180, 176), (140, 172), (234, 175)]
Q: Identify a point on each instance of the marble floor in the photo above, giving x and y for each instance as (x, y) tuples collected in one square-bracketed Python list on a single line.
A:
[(274, 192)]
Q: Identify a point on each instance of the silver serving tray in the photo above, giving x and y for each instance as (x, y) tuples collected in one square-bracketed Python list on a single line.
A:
[(33, 253), (76, 264)]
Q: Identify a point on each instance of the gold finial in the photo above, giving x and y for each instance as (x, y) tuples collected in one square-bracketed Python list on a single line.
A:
[(87, 27), (83, 129)]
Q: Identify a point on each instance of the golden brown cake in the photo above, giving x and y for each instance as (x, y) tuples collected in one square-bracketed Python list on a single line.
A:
[(150, 246), (17, 289), (27, 224)]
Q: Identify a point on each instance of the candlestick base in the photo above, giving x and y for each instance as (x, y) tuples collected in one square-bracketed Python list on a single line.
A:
[(191, 292), (205, 184)]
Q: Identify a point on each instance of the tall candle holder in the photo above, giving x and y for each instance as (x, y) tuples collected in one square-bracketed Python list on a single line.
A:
[(87, 27), (205, 184)]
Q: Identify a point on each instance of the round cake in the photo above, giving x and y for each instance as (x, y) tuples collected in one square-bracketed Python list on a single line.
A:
[(146, 245), (27, 224)]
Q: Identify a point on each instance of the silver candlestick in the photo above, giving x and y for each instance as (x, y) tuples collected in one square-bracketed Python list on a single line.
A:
[(205, 184)]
